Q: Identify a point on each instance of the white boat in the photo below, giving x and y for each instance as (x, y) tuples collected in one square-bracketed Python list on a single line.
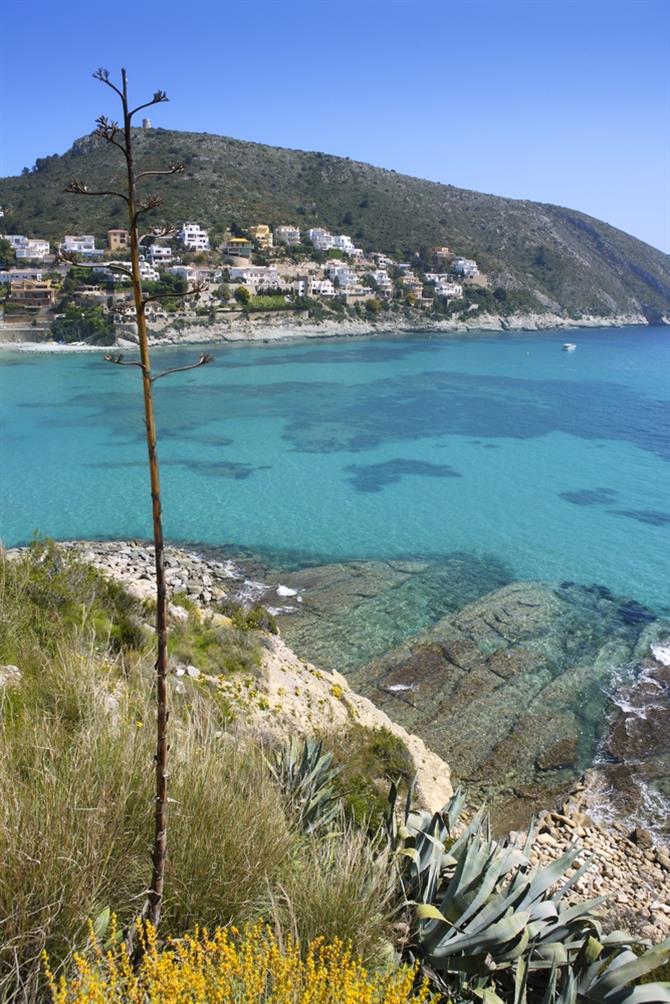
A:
[(569, 346)]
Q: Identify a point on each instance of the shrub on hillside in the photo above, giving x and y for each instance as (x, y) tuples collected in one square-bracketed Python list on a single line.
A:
[(233, 967), (369, 760)]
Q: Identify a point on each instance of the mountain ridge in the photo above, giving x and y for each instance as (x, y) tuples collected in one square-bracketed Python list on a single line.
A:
[(565, 260)]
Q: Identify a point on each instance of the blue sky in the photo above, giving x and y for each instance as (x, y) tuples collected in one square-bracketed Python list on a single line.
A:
[(553, 100)]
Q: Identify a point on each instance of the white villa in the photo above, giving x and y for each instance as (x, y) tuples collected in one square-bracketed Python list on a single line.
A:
[(444, 284), (320, 239), (467, 267), (346, 245), (187, 272), (83, 245), (342, 273), (256, 276), (26, 247), (320, 287), (193, 237), (147, 272), (383, 280), (158, 254), (287, 235)]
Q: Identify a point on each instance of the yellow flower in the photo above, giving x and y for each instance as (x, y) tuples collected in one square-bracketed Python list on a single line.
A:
[(229, 966)]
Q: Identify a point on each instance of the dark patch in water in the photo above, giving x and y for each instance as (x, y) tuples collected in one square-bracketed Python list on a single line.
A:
[(590, 496), (323, 417), (374, 477), (104, 464), (635, 613), (650, 516), (359, 352), (204, 438), (218, 468)]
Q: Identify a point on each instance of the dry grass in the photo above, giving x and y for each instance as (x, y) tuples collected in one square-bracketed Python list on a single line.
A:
[(340, 886), (76, 795)]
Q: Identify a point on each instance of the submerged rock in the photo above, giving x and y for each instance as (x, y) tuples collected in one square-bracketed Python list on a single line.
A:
[(512, 690), (632, 770), (356, 611)]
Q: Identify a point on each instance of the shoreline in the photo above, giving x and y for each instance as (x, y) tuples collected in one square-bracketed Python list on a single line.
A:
[(258, 330), (628, 865)]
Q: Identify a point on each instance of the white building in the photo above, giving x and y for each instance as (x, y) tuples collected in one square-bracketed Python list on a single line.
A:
[(37, 250), (193, 237), (83, 245), (383, 260), (26, 247), (256, 276), (346, 245), (287, 235), (341, 274), (22, 275), (157, 254), (16, 240), (466, 267), (383, 280), (147, 272), (186, 272), (320, 287), (444, 284), (320, 239)]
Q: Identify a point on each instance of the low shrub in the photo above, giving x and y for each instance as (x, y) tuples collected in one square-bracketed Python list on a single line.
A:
[(216, 649), (235, 967), (369, 759)]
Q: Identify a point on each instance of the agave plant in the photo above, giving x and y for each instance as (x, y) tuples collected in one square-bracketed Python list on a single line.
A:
[(305, 774), (484, 919)]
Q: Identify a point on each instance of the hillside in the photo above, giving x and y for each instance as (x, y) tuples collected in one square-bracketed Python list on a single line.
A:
[(263, 825), (566, 261)]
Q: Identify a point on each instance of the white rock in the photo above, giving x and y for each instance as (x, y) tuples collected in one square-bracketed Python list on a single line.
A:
[(177, 613), (9, 675)]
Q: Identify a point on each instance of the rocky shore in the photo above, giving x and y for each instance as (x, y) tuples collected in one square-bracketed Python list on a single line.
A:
[(202, 580), (283, 326), (627, 866), (288, 326)]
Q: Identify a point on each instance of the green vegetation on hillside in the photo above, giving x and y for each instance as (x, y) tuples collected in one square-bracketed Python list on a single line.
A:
[(76, 747), (569, 261)]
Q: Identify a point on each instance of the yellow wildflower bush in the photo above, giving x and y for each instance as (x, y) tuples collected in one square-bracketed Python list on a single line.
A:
[(230, 966)]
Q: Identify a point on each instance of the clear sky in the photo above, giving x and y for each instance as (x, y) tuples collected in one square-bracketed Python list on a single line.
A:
[(564, 101)]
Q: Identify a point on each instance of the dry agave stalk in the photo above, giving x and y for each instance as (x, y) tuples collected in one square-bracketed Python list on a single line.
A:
[(120, 136)]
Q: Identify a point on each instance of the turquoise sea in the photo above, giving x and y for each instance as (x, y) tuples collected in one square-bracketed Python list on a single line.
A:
[(555, 464)]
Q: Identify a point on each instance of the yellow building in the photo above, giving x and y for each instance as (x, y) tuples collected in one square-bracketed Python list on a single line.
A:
[(32, 294), (262, 235), (117, 240)]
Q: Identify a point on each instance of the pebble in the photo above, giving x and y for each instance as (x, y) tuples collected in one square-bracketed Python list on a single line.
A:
[(633, 874), (203, 580)]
